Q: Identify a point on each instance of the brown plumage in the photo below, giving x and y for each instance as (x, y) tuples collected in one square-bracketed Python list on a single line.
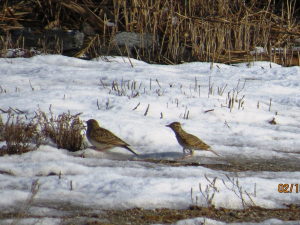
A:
[(189, 141), (102, 138)]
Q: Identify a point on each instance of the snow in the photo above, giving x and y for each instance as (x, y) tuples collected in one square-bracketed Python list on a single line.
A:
[(117, 179)]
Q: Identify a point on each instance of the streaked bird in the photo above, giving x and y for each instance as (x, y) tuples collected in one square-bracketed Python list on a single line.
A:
[(102, 138), (189, 141)]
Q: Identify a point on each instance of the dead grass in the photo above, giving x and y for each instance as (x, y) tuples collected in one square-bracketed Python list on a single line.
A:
[(170, 216), (19, 136), (65, 130), (1, 129), (29, 200), (197, 30)]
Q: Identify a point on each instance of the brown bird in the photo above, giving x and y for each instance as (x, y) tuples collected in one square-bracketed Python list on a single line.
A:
[(104, 139), (189, 141)]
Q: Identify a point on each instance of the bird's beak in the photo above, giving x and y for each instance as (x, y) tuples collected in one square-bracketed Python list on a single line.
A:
[(168, 125)]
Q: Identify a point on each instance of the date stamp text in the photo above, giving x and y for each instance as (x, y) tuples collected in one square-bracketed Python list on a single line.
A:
[(288, 188)]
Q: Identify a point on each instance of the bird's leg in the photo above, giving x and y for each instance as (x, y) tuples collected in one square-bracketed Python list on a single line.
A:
[(191, 154), (100, 150), (183, 150)]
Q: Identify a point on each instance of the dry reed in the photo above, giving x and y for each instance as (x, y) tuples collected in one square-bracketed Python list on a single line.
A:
[(223, 31)]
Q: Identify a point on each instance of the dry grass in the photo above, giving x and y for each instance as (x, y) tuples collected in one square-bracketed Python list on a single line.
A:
[(196, 30), (19, 136), (29, 200), (65, 130)]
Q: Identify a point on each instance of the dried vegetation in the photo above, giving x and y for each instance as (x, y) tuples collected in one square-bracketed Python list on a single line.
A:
[(223, 31), (65, 130), (19, 136)]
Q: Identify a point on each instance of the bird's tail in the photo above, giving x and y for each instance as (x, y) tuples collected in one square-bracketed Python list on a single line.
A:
[(130, 150), (214, 152)]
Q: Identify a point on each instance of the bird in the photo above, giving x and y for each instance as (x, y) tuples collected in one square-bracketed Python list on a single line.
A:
[(189, 141), (102, 138)]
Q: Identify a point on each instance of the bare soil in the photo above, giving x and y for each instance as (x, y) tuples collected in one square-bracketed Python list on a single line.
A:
[(70, 214), (168, 216), (270, 165)]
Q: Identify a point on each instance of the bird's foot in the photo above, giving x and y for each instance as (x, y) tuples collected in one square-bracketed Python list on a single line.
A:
[(80, 155), (186, 156), (101, 150)]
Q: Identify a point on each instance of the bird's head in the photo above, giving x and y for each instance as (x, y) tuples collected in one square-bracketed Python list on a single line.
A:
[(175, 126), (92, 124)]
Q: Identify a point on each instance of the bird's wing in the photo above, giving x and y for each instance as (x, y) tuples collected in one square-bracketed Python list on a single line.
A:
[(105, 136), (194, 141)]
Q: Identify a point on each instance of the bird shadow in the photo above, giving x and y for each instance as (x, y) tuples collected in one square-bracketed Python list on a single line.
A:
[(123, 156), (114, 155), (161, 155), (107, 154)]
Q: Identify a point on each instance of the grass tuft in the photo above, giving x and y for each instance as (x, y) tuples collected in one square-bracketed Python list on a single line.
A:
[(65, 130), (19, 136)]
